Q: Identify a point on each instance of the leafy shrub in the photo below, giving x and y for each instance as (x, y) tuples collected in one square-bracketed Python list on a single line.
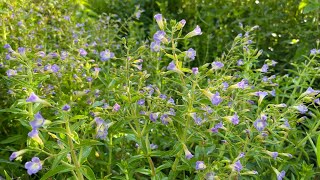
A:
[(91, 98)]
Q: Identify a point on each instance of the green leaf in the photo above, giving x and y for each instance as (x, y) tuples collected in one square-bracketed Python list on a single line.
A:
[(88, 143), (7, 175), (56, 170), (318, 151), (84, 153), (310, 7), (11, 139), (87, 172), (78, 117), (57, 130)]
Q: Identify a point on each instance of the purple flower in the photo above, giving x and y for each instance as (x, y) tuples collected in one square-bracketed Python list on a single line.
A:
[(313, 52), (153, 146), (53, 55), (273, 92), (200, 165), (240, 62), (66, 107), (159, 36), (172, 112), (311, 91), (273, 63), (116, 107), (191, 53), (33, 166), (187, 153), (302, 108), (317, 101), (7, 46), (165, 119), (274, 155), (33, 133), (159, 20), (235, 119), (242, 84), (106, 55), (225, 85), (21, 50), (217, 65), (16, 154), (215, 98), (264, 68), (37, 122), (181, 24), (163, 96), (55, 68), (82, 52), (64, 55), (195, 32), (13, 156), (260, 124), (155, 46), (216, 128), (171, 101), (237, 166), (141, 102), (102, 128), (261, 95), (281, 175), (171, 66), (33, 98), (196, 119), (195, 70), (11, 72), (153, 116)]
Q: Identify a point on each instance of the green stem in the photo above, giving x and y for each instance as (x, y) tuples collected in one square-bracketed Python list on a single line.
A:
[(73, 153), (110, 155)]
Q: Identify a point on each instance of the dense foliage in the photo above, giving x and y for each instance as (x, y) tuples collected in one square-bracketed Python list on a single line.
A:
[(149, 93)]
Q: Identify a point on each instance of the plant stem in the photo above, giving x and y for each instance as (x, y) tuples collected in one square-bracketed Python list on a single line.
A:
[(73, 153), (110, 154)]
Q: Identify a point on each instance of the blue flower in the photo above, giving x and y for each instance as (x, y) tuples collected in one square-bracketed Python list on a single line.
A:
[(237, 166), (195, 32), (155, 46), (240, 62), (216, 99), (66, 107), (281, 175), (106, 55), (33, 166), (302, 108), (264, 68), (159, 20), (55, 68), (171, 66), (116, 107), (102, 128), (217, 65), (260, 124), (159, 36), (188, 154), (200, 165), (37, 122), (82, 52), (165, 119), (11, 72), (33, 98), (195, 70), (235, 119), (153, 116), (191, 53), (141, 102)]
